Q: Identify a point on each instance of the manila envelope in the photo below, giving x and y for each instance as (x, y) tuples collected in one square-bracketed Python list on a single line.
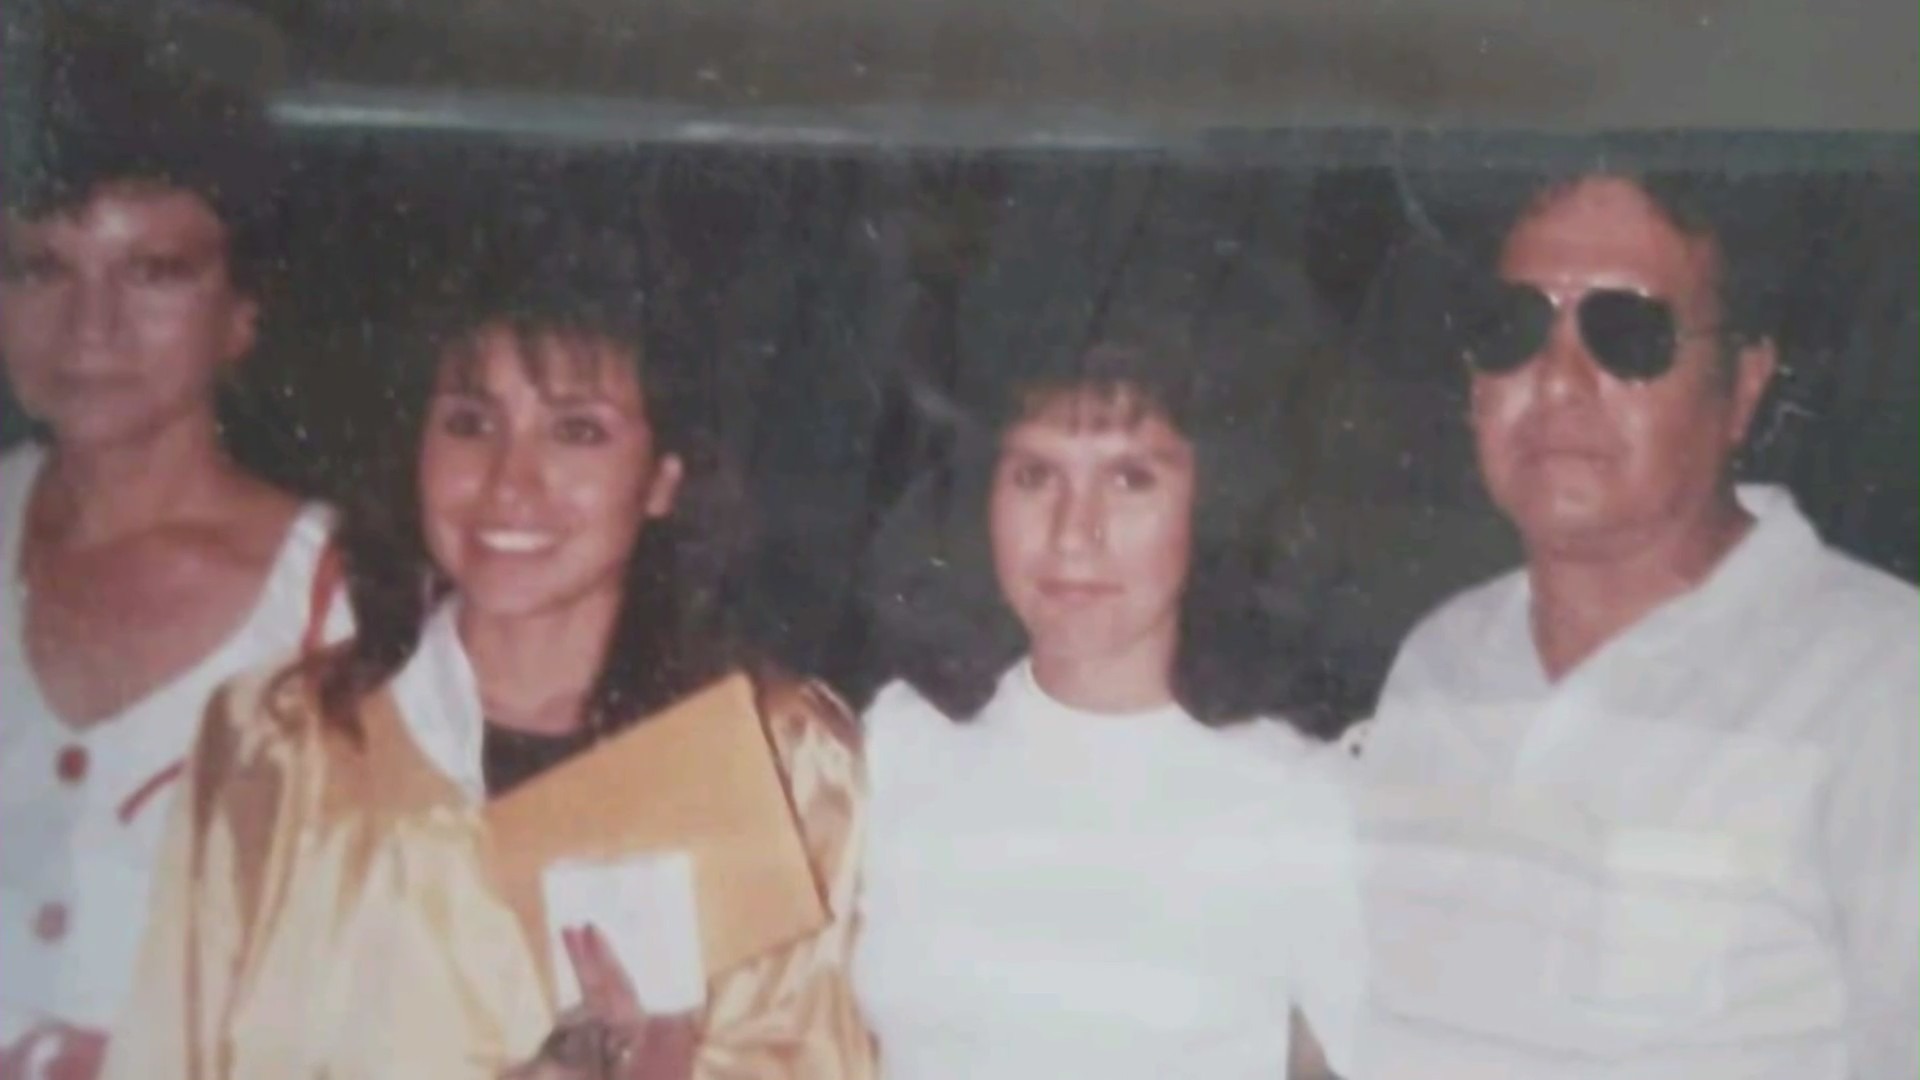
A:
[(699, 777)]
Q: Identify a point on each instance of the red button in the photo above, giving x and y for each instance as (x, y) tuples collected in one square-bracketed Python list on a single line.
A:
[(50, 922), (71, 765)]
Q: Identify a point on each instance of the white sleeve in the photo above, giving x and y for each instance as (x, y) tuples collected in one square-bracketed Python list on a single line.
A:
[(1327, 941), (1871, 843)]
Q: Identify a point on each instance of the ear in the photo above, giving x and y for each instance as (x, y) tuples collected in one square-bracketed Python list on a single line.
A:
[(1754, 368), (665, 489), (243, 329)]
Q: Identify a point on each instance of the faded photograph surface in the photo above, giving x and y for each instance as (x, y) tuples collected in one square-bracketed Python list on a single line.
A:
[(1111, 540)]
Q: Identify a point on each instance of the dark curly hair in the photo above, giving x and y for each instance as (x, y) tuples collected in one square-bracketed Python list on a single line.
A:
[(1231, 372), (109, 110), (548, 282), (104, 108)]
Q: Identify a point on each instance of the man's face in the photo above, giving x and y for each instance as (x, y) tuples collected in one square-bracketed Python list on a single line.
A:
[(1582, 461)]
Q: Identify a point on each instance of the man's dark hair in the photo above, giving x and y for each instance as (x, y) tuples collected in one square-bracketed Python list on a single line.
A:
[(1741, 215)]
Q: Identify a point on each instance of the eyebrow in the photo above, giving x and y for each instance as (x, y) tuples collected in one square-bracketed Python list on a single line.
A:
[(195, 255), (473, 391), (576, 399), (1162, 456), (1165, 456), (188, 251)]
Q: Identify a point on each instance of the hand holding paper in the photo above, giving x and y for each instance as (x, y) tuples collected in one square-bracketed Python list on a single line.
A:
[(700, 780), (635, 1046), (644, 910), (626, 959)]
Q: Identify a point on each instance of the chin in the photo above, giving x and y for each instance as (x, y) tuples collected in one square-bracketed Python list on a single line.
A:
[(1572, 534), (1076, 645), (525, 592), (92, 429), (509, 600), (1552, 507), (99, 424)]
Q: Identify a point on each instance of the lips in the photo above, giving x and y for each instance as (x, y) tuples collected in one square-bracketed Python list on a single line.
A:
[(1564, 455), (1563, 445), (1076, 592), (515, 541), (84, 382)]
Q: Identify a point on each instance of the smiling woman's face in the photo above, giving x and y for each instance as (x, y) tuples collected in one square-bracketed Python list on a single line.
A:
[(535, 490), (1091, 519)]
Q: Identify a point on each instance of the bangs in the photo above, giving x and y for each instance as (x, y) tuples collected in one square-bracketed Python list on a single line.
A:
[(1108, 388), (1092, 406), (551, 354)]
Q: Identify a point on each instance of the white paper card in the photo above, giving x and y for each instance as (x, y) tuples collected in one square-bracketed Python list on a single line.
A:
[(644, 906)]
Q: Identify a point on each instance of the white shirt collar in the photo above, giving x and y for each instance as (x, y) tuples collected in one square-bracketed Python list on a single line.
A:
[(438, 697), (1782, 543), (1782, 537), (1034, 707)]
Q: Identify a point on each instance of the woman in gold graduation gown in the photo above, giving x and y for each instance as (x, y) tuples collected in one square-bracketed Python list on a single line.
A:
[(541, 569)]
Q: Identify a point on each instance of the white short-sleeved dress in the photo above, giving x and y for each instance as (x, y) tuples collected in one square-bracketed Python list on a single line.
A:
[(84, 809), (1052, 893)]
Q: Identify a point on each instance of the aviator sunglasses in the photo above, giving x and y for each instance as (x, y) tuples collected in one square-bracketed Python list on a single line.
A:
[(1632, 336)]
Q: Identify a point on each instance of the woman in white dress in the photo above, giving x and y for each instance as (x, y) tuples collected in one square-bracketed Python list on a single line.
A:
[(143, 565), (1103, 837)]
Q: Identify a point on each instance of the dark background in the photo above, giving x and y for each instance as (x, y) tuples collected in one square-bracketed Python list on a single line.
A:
[(845, 289)]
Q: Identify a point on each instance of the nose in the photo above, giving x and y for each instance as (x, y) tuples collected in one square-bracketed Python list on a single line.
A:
[(95, 310), (514, 476), (1079, 520), (1566, 368)]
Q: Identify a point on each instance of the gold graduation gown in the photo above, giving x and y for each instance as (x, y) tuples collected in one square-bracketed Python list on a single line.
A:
[(323, 909)]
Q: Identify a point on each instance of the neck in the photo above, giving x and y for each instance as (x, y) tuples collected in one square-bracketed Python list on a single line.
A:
[(536, 670), (1584, 599), (91, 493), (1137, 680)]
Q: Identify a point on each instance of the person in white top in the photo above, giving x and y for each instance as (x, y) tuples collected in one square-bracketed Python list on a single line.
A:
[(142, 565), (1104, 839), (1650, 806)]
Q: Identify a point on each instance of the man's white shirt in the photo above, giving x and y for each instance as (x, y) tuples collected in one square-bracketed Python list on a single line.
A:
[(1696, 855)]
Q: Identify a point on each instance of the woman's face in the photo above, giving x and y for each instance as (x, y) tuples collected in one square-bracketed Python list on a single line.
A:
[(1091, 520), (534, 491), (116, 319)]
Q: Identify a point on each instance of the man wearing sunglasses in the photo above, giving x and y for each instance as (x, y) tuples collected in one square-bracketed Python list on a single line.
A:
[(1650, 806)]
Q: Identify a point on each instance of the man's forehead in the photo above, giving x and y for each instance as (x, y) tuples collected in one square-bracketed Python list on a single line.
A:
[(1606, 233)]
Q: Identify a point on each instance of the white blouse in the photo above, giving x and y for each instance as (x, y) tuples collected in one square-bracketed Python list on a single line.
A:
[(85, 809), (1054, 893)]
